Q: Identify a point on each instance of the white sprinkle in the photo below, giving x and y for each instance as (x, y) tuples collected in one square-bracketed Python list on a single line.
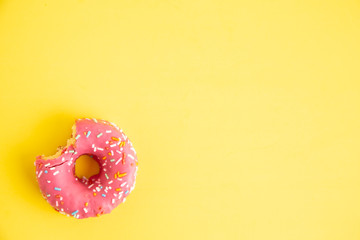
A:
[(55, 173), (118, 151), (101, 149), (110, 182), (85, 210), (123, 184), (90, 185), (57, 204), (94, 149), (132, 149), (46, 165), (130, 156), (63, 159), (113, 145), (53, 168), (93, 145), (118, 161), (108, 131), (113, 201), (95, 120), (39, 174), (124, 200), (49, 181), (112, 153), (107, 142), (98, 189)]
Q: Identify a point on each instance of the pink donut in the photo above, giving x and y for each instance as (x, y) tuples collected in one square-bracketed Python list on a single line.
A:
[(83, 198)]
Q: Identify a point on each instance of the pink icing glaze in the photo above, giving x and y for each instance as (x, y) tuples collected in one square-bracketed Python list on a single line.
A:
[(82, 198)]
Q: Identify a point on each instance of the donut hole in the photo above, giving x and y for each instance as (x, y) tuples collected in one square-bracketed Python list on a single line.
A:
[(86, 166)]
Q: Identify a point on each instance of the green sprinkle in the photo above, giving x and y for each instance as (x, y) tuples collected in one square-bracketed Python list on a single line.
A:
[(112, 160), (99, 135), (106, 176), (71, 151), (77, 137)]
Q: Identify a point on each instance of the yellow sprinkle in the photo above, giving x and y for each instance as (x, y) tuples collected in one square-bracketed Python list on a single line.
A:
[(114, 138), (115, 175), (98, 215), (86, 204), (118, 189), (122, 174), (109, 153), (104, 158), (94, 193)]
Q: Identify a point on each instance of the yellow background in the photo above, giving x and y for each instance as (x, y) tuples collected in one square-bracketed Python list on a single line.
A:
[(245, 114)]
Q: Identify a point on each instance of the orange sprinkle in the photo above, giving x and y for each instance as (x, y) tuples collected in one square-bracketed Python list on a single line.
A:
[(57, 196), (107, 148), (132, 164), (62, 202), (94, 193), (86, 204), (115, 138), (104, 157), (123, 159), (98, 215), (122, 144), (118, 189), (109, 153)]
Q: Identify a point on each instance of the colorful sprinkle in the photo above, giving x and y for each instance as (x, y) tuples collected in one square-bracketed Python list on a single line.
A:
[(77, 137), (115, 138), (57, 189), (103, 195), (99, 135), (71, 151), (122, 175), (95, 120), (118, 189), (104, 157), (86, 204), (46, 165), (126, 191), (94, 193), (75, 212), (112, 160), (107, 177), (88, 134), (55, 173)]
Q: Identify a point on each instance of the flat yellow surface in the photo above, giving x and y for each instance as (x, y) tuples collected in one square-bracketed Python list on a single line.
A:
[(245, 114)]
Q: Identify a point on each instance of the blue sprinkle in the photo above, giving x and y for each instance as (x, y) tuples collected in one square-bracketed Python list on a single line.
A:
[(46, 171), (101, 187), (126, 191), (103, 195), (57, 189), (88, 134), (75, 212)]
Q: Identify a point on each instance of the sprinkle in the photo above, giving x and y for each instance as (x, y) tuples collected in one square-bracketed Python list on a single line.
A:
[(104, 157), (97, 189), (113, 145), (57, 204), (49, 181), (55, 173), (85, 210), (118, 189), (53, 168), (91, 185), (112, 201), (86, 204), (122, 175), (107, 177), (123, 161), (103, 195), (123, 184), (118, 161), (48, 195), (71, 151), (94, 193), (108, 131), (46, 165), (95, 120), (40, 174), (115, 138), (112, 160), (109, 153), (88, 134), (101, 149), (126, 191), (122, 144), (99, 135), (75, 212), (77, 137), (130, 156), (57, 189)]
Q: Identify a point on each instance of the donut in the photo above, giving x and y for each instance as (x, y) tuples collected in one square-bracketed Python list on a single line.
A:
[(101, 193)]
